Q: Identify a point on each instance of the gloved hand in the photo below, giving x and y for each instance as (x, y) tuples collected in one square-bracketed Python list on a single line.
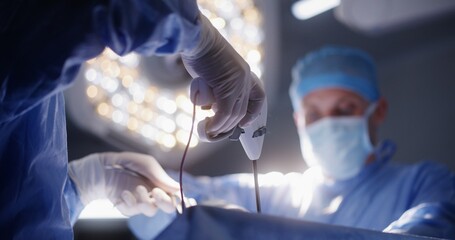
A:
[(134, 183), (238, 93)]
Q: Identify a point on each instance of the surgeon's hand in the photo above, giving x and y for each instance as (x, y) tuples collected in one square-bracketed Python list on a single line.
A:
[(134, 183), (238, 93)]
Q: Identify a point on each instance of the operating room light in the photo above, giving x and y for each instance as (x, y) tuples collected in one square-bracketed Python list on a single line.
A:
[(305, 9), (124, 96)]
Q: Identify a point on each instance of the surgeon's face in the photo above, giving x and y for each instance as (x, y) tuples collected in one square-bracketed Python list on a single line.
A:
[(337, 102)]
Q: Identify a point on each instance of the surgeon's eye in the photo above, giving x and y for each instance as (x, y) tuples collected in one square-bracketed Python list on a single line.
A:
[(348, 109), (311, 117)]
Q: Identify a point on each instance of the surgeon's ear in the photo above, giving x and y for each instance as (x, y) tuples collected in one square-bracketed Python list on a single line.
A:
[(380, 113), (296, 119)]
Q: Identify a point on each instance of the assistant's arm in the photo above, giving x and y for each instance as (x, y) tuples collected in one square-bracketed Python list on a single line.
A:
[(43, 43)]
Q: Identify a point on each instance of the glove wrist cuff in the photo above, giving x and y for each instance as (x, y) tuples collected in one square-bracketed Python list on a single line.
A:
[(208, 35), (88, 177)]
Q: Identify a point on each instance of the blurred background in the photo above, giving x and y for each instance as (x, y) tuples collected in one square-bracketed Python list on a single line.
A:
[(412, 42)]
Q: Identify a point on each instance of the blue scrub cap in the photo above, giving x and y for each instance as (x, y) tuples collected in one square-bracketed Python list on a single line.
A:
[(339, 67)]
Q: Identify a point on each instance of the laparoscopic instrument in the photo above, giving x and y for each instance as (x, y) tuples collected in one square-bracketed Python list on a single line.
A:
[(251, 137)]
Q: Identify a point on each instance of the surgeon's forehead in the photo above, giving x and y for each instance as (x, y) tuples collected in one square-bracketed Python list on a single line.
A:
[(327, 97)]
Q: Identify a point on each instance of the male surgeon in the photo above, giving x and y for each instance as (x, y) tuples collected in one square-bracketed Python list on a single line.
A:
[(351, 180)]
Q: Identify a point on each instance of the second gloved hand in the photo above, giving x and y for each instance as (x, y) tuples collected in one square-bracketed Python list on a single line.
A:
[(134, 183), (238, 93)]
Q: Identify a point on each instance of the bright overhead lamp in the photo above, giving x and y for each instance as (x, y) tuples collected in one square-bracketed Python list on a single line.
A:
[(305, 9)]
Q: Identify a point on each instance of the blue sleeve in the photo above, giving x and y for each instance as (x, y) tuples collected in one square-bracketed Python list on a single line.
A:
[(73, 201), (153, 27), (427, 219), (43, 43), (433, 183), (433, 209)]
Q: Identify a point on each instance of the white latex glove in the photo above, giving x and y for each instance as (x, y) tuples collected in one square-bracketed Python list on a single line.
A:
[(134, 183), (238, 93)]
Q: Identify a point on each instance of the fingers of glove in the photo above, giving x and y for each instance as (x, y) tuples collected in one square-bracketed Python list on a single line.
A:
[(144, 165), (216, 123), (127, 204), (162, 200), (142, 194), (205, 137), (140, 208), (128, 198), (137, 203), (230, 112), (146, 204), (254, 108), (147, 209), (204, 93), (238, 112), (255, 101)]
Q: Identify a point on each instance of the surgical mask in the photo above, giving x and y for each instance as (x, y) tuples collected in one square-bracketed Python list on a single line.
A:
[(338, 145)]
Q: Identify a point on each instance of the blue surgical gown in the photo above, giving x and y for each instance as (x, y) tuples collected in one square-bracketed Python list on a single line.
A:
[(42, 45), (419, 197)]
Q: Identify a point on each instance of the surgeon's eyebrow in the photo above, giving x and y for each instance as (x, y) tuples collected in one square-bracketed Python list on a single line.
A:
[(350, 105), (351, 98)]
